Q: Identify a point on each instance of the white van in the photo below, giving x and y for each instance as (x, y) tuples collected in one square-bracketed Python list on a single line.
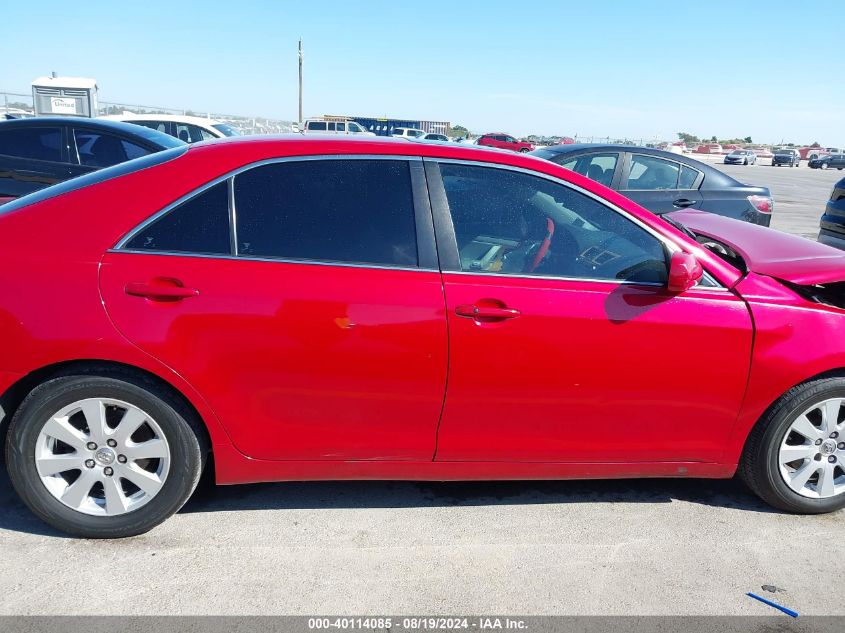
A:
[(321, 126), (407, 132)]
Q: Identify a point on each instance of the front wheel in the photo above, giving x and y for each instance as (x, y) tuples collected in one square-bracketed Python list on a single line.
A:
[(103, 456), (524, 150), (825, 165), (794, 457)]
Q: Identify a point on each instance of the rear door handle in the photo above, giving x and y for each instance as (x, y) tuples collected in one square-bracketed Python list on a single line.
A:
[(160, 290), (683, 202), (486, 313)]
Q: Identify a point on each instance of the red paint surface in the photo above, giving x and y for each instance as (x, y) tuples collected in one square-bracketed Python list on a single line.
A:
[(318, 372)]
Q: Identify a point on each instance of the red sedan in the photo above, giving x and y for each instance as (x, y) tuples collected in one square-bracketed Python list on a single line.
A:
[(384, 309)]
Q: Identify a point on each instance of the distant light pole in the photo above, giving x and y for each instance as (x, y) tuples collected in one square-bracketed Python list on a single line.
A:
[(300, 85)]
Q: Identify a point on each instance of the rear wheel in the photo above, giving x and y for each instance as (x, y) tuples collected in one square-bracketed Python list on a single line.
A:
[(102, 456), (795, 456)]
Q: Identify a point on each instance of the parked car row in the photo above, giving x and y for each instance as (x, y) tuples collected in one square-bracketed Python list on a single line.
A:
[(353, 272)]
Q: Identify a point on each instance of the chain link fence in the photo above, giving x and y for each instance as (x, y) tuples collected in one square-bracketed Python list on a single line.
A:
[(20, 104)]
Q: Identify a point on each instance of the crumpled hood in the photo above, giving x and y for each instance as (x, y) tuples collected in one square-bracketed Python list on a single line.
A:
[(770, 252)]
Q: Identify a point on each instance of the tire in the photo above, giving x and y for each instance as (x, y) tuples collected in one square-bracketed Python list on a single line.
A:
[(760, 465), (824, 165), (131, 510), (745, 162), (524, 150)]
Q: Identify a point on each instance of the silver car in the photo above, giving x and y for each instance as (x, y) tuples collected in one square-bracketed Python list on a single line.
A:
[(741, 157)]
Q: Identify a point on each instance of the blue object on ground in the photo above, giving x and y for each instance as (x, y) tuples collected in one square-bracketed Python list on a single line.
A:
[(777, 606)]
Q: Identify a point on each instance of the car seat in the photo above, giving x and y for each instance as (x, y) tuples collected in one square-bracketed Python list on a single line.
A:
[(107, 151)]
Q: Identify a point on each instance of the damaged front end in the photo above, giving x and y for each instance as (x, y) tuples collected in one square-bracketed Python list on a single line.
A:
[(830, 294)]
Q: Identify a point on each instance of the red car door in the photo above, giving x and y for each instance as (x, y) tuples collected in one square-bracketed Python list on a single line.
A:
[(565, 345), (314, 324)]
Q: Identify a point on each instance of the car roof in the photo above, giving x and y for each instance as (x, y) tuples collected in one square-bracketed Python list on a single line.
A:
[(153, 137), (343, 143)]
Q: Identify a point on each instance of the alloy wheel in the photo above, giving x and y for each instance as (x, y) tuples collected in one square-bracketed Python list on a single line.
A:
[(102, 457), (811, 457)]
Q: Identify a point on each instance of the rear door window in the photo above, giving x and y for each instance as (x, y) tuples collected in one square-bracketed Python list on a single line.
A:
[(95, 149), (317, 126), (353, 211), (41, 143), (598, 167), (189, 133), (159, 126), (651, 172)]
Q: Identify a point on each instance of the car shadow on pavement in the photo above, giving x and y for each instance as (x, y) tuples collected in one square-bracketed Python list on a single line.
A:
[(15, 516), (402, 494)]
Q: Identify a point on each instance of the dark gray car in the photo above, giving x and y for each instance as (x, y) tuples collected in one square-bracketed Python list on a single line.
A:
[(664, 181), (42, 151), (786, 156)]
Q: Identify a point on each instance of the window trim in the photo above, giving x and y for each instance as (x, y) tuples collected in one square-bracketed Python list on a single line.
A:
[(423, 224), (447, 245)]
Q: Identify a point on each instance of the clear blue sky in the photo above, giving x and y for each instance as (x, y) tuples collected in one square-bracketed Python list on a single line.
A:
[(619, 68)]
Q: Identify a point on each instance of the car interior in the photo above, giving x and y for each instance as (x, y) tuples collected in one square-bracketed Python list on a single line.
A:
[(518, 224), (99, 150)]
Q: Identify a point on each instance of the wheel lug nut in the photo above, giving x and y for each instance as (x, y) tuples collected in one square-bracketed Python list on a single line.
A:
[(108, 471), (841, 446), (89, 463), (834, 435), (832, 459), (818, 442), (112, 443), (818, 457), (92, 446), (121, 459)]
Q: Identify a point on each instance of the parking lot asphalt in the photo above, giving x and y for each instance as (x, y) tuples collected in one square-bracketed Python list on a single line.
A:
[(368, 548)]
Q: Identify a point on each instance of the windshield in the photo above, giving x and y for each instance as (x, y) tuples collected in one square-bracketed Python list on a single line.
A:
[(227, 129), (738, 152)]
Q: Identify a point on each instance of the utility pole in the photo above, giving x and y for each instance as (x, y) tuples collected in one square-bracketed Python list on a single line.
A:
[(300, 85)]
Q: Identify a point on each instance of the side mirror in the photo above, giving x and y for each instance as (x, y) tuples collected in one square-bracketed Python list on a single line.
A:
[(684, 272)]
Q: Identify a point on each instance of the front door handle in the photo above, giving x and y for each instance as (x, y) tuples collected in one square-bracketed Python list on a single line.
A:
[(160, 290), (486, 312), (683, 203)]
